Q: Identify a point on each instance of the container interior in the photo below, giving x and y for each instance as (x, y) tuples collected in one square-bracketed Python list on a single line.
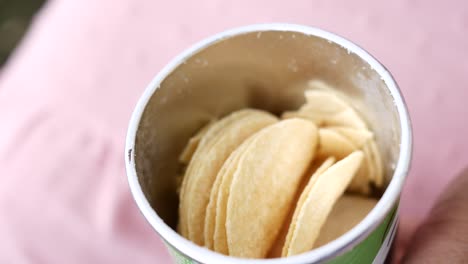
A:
[(267, 70)]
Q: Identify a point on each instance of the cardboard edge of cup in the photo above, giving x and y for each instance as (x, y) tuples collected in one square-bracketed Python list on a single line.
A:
[(324, 253)]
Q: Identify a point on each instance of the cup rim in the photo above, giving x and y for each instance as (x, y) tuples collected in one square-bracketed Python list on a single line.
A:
[(326, 252)]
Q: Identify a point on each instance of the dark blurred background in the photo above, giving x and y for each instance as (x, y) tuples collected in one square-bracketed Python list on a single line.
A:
[(15, 18)]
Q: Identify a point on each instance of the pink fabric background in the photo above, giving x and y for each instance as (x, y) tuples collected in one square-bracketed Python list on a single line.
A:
[(67, 94)]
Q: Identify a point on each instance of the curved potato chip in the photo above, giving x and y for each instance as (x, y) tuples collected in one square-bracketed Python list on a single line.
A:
[(192, 144), (210, 215), (324, 102), (332, 143), (362, 179), (377, 160), (348, 211), (320, 85), (264, 185), (212, 210), (219, 235), (331, 99), (317, 169), (199, 188), (188, 152), (342, 141), (364, 139), (316, 118), (371, 171), (206, 141), (359, 137), (325, 190), (348, 118), (326, 107)]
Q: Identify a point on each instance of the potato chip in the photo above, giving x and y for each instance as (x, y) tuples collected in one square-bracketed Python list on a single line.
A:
[(321, 86), (348, 211), (192, 144), (188, 151), (361, 181), (316, 118), (206, 141), (340, 141), (324, 102), (322, 98), (345, 130), (326, 107), (321, 169), (348, 118), (199, 187), (212, 211), (325, 190), (379, 179), (264, 184), (219, 235), (317, 168), (358, 137), (210, 214), (371, 171), (332, 143)]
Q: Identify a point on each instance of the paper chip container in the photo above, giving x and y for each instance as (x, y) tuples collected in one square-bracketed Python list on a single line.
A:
[(263, 66)]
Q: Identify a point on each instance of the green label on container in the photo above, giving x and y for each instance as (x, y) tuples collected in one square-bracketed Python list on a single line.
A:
[(178, 257), (373, 250)]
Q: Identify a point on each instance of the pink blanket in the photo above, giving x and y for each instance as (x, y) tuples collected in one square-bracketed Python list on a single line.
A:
[(67, 94)]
